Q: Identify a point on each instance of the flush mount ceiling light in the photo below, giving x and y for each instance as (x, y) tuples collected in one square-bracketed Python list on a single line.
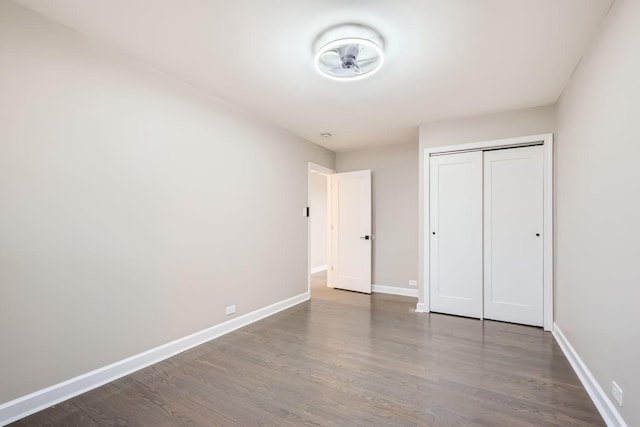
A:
[(348, 52)]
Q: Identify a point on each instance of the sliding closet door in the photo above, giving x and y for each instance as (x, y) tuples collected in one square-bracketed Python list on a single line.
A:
[(513, 245), (455, 212)]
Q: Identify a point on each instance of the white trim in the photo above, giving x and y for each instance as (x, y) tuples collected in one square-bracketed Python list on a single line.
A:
[(322, 169), (521, 140), (605, 406), (395, 290), (26, 405), (319, 268), (422, 308), (548, 236), (547, 141)]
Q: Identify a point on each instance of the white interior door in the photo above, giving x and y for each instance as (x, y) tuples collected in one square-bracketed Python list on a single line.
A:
[(513, 248), (455, 212), (351, 231)]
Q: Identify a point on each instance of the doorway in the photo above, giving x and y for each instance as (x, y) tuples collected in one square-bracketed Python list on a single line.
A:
[(339, 229), (319, 205)]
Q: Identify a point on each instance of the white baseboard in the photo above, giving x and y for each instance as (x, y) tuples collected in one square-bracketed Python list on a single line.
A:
[(395, 290), (422, 308), (318, 269), (605, 406), (26, 405)]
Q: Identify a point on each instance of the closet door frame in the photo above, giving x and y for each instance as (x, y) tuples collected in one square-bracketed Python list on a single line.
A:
[(546, 140)]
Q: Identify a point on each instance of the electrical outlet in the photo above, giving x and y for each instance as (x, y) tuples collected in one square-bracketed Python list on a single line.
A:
[(413, 283), (231, 309), (617, 393)]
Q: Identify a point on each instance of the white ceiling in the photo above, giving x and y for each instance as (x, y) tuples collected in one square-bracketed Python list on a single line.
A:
[(443, 58)]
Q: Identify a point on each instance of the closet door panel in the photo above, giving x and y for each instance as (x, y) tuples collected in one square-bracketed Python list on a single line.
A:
[(455, 211), (513, 242)]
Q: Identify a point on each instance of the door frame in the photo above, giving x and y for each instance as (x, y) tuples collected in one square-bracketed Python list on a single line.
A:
[(326, 172), (547, 232)]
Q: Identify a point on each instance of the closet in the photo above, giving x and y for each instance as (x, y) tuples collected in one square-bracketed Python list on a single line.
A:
[(486, 234)]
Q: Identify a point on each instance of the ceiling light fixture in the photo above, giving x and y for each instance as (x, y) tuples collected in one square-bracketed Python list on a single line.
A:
[(348, 52)]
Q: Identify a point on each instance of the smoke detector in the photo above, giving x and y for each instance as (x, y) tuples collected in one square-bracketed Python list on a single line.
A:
[(348, 52)]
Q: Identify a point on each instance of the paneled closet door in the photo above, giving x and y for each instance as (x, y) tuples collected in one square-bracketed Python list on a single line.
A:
[(455, 212), (513, 245)]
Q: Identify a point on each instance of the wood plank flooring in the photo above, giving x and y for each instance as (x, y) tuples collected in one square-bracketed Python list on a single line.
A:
[(348, 359)]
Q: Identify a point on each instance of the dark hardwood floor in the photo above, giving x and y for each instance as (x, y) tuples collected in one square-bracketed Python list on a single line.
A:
[(347, 359)]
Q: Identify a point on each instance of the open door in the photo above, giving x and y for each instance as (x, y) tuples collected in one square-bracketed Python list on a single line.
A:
[(350, 266)]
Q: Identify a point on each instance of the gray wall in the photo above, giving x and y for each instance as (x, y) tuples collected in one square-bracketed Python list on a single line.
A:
[(318, 220), (598, 207), (510, 124), (134, 207), (395, 209)]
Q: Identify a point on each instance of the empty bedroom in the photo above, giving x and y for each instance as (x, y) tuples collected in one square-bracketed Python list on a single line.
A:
[(322, 212)]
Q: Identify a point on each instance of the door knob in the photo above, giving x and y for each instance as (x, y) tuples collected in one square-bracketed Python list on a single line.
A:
[(433, 232), (538, 234), (365, 237)]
